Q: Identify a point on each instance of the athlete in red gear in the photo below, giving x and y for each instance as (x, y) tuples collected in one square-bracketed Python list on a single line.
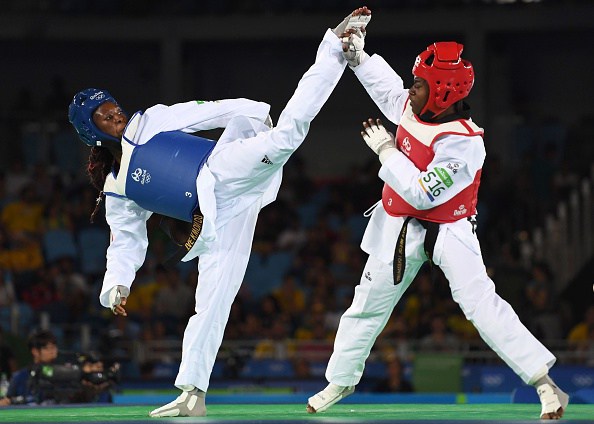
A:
[(432, 173)]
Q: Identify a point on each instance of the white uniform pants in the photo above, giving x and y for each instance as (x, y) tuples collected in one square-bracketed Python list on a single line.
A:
[(247, 172), (457, 253), (221, 272), (241, 179)]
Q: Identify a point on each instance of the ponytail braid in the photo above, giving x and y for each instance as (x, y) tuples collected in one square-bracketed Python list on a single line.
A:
[(98, 166)]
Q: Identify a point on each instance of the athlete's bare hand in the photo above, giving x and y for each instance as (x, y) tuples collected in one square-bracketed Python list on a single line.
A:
[(119, 309), (118, 296)]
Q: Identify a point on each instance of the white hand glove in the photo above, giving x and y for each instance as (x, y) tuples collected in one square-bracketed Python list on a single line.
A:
[(352, 47), (115, 296), (378, 138), (359, 18)]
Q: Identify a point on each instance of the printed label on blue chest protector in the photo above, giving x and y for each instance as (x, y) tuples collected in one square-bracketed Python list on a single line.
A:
[(141, 176), (162, 173)]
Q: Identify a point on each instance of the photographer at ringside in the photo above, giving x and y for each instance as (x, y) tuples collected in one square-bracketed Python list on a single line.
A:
[(97, 382), (48, 382)]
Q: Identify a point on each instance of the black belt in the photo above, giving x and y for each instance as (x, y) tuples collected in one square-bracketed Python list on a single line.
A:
[(400, 251), (186, 244)]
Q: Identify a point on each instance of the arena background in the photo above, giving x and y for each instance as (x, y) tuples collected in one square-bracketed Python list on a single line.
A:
[(532, 95), (532, 59)]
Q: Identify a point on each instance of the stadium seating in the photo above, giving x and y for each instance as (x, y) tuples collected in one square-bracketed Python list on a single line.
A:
[(268, 368), (59, 244), (93, 243)]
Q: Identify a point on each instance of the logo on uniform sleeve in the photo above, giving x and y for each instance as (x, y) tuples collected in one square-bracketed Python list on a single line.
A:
[(141, 176), (453, 167), (266, 160)]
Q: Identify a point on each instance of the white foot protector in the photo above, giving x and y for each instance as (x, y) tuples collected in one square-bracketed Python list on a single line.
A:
[(188, 404), (328, 397), (357, 21), (554, 401)]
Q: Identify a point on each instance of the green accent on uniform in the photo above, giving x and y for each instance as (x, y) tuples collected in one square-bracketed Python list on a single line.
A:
[(277, 413), (444, 176), (200, 102)]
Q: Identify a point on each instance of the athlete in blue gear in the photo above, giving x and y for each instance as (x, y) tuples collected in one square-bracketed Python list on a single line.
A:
[(150, 163)]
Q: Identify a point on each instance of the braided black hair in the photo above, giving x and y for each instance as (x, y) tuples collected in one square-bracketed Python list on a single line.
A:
[(100, 162)]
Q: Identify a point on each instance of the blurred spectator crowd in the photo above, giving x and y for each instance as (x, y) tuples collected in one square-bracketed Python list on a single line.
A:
[(305, 263)]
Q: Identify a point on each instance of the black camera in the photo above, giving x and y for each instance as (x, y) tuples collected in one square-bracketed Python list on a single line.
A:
[(111, 376), (79, 382), (94, 372)]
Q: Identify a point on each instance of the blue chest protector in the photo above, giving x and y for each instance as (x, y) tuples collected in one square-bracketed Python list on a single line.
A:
[(162, 173)]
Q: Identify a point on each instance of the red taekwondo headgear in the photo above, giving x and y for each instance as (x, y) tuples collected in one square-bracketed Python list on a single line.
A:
[(450, 77)]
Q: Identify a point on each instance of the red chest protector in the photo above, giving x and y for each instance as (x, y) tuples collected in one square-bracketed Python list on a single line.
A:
[(415, 139)]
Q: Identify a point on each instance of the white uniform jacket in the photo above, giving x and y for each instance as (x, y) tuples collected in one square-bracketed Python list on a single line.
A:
[(127, 220)]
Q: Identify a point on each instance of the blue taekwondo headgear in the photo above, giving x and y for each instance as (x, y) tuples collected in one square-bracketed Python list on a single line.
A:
[(80, 115)]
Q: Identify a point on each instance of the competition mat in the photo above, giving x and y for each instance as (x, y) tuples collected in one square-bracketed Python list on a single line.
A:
[(295, 413)]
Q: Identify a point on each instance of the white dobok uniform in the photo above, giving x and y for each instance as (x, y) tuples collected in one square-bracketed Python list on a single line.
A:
[(241, 175), (458, 155)]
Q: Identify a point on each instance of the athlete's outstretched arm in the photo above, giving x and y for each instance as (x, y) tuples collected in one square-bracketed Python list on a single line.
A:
[(129, 242)]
